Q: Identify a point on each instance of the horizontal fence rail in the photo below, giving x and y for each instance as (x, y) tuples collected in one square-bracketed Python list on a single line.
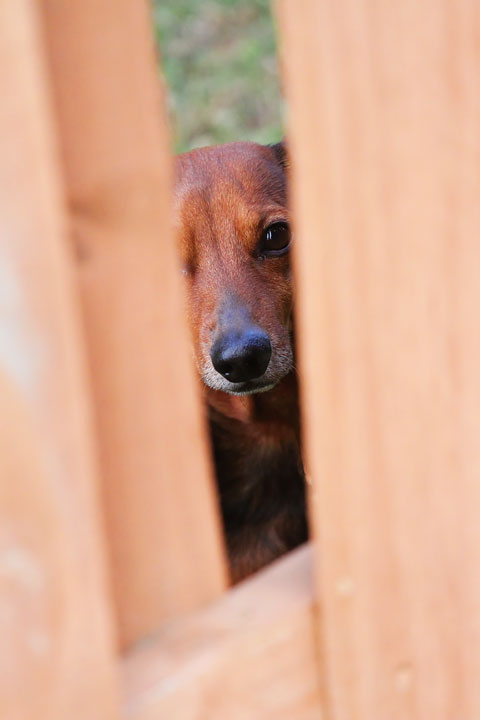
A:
[(227, 660)]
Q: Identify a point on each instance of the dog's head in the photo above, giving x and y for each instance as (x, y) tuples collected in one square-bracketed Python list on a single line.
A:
[(234, 235)]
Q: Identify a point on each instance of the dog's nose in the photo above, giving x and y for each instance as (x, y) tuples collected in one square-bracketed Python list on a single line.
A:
[(241, 356)]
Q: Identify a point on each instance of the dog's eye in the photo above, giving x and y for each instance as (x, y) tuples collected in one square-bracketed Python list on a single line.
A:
[(275, 240)]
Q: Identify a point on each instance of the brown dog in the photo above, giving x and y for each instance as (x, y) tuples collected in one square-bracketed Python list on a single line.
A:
[(234, 235)]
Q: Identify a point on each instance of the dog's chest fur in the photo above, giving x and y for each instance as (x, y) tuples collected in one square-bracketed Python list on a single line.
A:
[(261, 481)]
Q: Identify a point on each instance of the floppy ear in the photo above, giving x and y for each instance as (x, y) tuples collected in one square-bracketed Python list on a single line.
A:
[(280, 150)]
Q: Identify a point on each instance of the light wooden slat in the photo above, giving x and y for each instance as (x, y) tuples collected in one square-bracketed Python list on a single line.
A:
[(385, 137), (161, 514), (249, 655), (56, 644)]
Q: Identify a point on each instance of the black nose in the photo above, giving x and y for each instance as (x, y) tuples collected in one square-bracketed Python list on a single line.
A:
[(241, 356)]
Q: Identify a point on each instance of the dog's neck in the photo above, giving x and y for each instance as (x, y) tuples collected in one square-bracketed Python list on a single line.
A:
[(259, 472)]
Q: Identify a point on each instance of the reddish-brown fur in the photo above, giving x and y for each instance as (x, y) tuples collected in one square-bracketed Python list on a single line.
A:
[(225, 197)]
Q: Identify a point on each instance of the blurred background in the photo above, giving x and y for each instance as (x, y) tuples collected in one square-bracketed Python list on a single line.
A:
[(219, 60)]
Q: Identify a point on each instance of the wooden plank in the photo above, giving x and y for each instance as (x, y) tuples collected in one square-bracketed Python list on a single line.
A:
[(385, 138), (56, 643), (250, 655), (162, 517)]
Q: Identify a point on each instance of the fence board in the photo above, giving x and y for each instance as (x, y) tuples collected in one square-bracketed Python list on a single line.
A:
[(161, 515), (384, 130), (56, 646), (250, 655)]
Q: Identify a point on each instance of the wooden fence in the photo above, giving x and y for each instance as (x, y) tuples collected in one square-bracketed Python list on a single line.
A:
[(113, 589)]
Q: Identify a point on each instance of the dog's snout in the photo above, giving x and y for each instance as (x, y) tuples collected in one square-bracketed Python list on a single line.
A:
[(243, 356)]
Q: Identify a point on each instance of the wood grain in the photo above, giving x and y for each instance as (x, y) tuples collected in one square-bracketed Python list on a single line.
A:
[(249, 655), (384, 131), (162, 519), (56, 641)]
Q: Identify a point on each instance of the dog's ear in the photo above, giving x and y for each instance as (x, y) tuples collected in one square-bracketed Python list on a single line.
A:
[(280, 151)]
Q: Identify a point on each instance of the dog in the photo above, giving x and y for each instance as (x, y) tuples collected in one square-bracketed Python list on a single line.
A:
[(233, 229)]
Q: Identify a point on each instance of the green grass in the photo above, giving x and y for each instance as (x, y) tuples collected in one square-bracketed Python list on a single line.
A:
[(219, 60)]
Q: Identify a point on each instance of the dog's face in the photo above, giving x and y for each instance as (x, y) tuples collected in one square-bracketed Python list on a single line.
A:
[(233, 230)]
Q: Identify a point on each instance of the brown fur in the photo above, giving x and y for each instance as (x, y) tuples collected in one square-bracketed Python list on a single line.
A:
[(225, 197)]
